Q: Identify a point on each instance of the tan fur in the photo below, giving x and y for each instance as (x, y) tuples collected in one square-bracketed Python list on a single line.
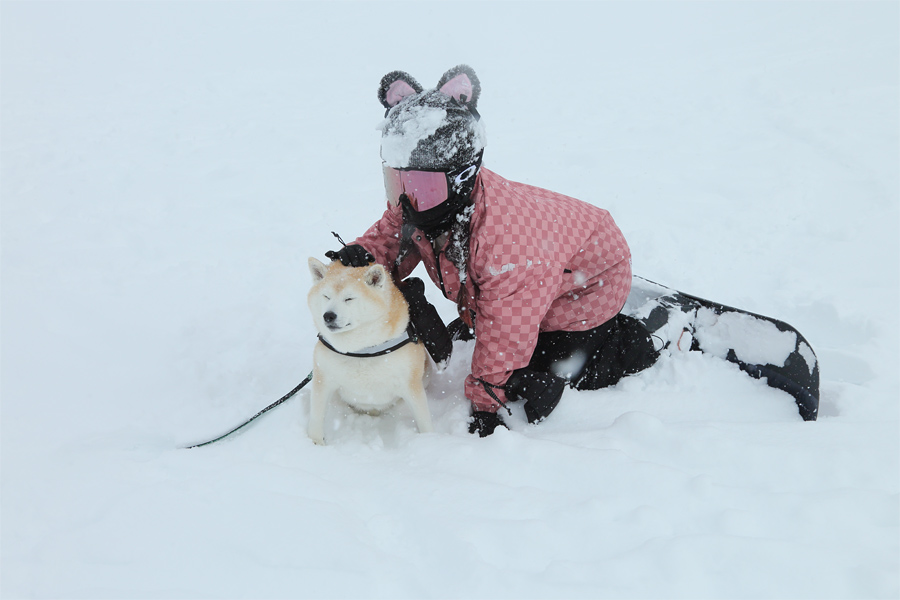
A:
[(355, 309)]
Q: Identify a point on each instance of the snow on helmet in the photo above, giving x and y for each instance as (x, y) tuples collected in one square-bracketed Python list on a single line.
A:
[(432, 130)]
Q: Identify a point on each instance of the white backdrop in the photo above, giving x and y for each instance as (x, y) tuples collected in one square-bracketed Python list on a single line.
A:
[(167, 168)]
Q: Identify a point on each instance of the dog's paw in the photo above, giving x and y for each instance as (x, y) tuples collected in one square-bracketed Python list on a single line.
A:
[(318, 437)]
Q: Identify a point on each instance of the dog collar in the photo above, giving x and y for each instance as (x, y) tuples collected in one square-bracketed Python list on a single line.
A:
[(378, 350)]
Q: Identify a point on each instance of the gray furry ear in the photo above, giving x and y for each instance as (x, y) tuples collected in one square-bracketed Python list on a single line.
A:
[(395, 86), (461, 83)]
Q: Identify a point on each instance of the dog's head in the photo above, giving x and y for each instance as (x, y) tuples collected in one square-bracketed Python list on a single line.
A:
[(357, 305)]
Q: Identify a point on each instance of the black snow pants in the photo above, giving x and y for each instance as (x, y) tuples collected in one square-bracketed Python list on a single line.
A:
[(596, 358)]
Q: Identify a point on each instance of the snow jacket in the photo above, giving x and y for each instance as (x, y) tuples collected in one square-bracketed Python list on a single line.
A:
[(538, 261)]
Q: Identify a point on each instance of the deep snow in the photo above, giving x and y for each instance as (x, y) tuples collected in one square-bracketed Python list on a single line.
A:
[(167, 168)]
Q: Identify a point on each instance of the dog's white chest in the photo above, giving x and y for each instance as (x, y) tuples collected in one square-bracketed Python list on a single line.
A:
[(371, 383)]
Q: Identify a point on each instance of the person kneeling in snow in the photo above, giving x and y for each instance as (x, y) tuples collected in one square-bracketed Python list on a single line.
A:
[(539, 278)]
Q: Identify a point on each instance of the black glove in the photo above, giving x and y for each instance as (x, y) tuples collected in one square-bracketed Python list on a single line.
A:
[(426, 321), (540, 391), (353, 255), (460, 331), (484, 423)]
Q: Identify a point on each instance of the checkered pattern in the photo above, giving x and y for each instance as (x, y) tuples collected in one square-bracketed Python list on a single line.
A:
[(539, 261)]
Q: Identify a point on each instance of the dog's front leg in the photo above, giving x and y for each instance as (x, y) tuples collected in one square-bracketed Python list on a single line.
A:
[(418, 402), (318, 403)]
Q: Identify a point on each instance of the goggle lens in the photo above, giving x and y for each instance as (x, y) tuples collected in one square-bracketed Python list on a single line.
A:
[(425, 189)]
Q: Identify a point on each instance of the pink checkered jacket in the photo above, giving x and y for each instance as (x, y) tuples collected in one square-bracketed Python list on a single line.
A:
[(538, 261)]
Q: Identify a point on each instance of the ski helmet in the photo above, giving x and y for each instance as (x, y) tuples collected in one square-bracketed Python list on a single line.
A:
[(433, 130)]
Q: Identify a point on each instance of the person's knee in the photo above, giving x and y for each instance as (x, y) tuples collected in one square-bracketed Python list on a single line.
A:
[(636, 349), (540, 391), (626, 350)]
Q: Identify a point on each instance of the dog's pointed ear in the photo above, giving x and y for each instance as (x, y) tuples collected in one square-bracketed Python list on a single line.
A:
[(317, 269), (376, 276), (395, 86), (461, 83)]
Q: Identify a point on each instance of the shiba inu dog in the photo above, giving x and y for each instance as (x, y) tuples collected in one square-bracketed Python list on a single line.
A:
[(365, 355)]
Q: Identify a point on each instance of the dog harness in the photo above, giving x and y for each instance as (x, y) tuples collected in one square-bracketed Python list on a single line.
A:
[(379, 349)]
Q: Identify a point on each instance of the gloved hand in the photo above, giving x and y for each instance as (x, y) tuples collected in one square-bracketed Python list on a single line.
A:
[(484, 423), (460, 331), (540, 391), (426, 321), (353, 255)]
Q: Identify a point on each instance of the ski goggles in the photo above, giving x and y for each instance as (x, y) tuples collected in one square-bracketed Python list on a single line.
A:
[(425, 189)]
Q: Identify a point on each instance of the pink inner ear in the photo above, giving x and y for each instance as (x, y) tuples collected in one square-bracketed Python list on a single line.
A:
[(459, 86), (397, 92)]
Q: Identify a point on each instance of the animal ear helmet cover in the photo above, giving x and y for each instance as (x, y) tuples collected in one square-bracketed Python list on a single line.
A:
[(431, 130)]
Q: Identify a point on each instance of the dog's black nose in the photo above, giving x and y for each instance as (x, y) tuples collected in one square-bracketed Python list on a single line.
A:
[(329, 317)]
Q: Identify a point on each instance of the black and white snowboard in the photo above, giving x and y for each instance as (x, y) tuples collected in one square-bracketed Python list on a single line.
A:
[(763, 347)]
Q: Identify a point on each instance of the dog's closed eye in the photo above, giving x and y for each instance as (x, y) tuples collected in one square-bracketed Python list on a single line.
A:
[(349, 299)]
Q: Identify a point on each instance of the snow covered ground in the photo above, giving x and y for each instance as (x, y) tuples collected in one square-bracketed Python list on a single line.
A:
[(168, 167)]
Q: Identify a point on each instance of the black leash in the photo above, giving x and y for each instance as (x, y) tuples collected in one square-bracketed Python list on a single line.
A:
[(411, 337), (257, 415)]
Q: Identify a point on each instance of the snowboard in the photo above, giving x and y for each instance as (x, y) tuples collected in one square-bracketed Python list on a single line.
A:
[(763, 347)]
